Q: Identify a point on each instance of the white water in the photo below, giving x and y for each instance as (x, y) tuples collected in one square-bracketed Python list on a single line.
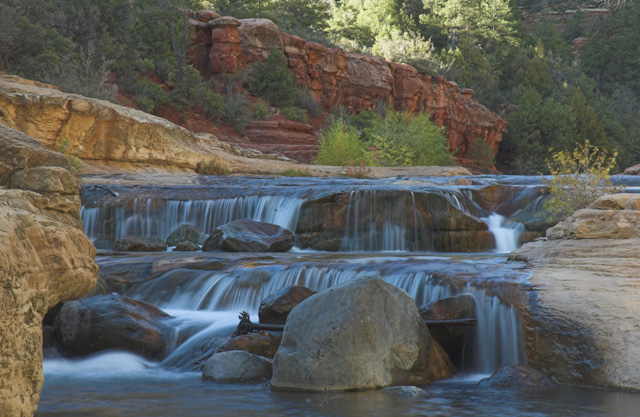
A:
[(205, 304), (506, 236), (158, 218)]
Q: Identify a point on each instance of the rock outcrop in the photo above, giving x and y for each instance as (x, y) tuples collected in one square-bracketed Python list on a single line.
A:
[(334, 77), (345, 221), (44, 259), (276, 307), (363, 335), (581, 315), (237, 366)]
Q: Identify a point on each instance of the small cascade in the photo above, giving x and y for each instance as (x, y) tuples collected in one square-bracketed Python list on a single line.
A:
[(206, 303), (157, 218), (379, 221), (506, 236)]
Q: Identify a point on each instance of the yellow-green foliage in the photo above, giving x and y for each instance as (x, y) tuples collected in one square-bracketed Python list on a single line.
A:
[(74, 161), (340, 144), (214, 167), (404, 139), (579, 178), (293, 172)]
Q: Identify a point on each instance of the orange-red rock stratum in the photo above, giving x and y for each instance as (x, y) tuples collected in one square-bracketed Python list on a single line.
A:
[(225, 45)]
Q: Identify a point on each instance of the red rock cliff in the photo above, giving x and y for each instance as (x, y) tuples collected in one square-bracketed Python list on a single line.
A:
[(225, 45)]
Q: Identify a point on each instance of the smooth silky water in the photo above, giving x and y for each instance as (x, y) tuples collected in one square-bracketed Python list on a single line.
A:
[(204, 306)]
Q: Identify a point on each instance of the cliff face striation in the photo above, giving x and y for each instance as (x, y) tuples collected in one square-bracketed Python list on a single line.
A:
[(225, 45), (45, 258)]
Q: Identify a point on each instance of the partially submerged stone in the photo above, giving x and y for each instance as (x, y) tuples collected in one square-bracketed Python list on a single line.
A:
[(140, 244), (237, 366), (517, 376), (276, 307), (249, 236)]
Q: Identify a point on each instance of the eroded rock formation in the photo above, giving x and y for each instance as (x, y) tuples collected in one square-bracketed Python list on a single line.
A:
[(226, 45), (581, 315), (44, 259)]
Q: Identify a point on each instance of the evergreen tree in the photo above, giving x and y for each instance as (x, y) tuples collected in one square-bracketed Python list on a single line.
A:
[(272, 80)]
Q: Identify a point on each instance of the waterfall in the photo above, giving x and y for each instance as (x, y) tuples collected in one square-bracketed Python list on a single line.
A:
[(158, 218), (506, 236), (206, 303)]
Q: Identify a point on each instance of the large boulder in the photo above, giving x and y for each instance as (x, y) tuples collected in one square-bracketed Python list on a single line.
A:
[(237, 366), (45, 258), (517, 376), (455, 340), (140, 244), (249, 236), (363, 335), (112, 322), (276, 307)]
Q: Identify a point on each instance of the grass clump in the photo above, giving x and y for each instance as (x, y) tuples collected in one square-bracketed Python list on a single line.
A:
[(215, 166), (294, 113), (75, 162), (294, 172)]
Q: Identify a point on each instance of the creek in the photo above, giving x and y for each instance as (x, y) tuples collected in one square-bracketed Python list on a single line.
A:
[(432, 237)]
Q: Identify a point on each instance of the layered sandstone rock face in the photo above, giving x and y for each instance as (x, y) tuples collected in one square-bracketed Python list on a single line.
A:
[(582, 312), (226, 45), (44, 259), (99, 131)]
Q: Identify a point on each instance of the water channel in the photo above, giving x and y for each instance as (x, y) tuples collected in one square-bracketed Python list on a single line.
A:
[(393, 229)]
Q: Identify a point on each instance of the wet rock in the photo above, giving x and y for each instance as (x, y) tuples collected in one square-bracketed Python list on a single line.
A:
[(455, 340), (186, 246), (517, 376), (249, 236), (237, 366), (140, 244), (276, 307), (366, 334), (405, 391), (185, 232), (111, 321), (264, 344)]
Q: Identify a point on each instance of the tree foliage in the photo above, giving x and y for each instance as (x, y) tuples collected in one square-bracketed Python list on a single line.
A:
[(272, 80)]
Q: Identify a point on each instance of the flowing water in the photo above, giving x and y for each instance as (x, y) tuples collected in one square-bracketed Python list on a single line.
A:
[(384, 231)]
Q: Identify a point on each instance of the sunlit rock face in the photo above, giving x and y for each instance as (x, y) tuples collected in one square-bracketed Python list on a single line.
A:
[(335, 77), (45, 258)]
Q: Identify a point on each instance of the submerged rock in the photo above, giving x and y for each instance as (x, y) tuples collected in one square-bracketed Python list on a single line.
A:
[(276, 307), (517, 376), (140, 244), (455, 340), (237, 366), (249, 236), (366, 334), (112, 321), (405, 391)]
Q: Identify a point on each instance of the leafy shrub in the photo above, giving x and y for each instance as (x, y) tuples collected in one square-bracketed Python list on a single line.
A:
[(196, 93), (357, 169), (305, 100), (260, 110), (340, 144), (147, 95), (481, 155), (293, 172), (579, 178), (272, 80), (215, 166), (403, 139), (294, 113), (237, 113), (75, 162)]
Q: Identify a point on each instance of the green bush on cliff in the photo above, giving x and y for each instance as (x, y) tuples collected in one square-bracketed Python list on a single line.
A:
[(272, 80), (405, 139), (579, 178), (340, 145)]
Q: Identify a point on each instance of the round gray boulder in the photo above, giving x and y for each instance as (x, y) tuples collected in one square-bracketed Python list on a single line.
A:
[(237, 366), (366, 334)]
